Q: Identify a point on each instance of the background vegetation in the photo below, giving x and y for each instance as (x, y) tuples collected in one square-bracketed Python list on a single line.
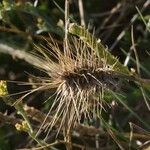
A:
[(122, 25)]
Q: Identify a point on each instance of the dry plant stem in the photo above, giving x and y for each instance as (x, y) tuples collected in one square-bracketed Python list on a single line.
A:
[(125, 10), (80, 129), (21, 54), (66, 25), (68, 139), (138, 67), (146, 24), (131, 135), (27, 34), (111, 13), (112, 134), (115, 139), (122, 14), (67, 129), (133, 19), (135, 51), (83, 130), (61, 142), (81, 11)]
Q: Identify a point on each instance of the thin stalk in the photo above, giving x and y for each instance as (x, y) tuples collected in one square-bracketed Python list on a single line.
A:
[(67, 132), (81, 11)]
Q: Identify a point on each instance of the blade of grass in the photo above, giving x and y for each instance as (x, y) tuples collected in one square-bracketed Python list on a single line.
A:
[(143, 19), (130, 110)]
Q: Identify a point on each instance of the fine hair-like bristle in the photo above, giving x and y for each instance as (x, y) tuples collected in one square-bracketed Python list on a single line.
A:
[(80, 77)]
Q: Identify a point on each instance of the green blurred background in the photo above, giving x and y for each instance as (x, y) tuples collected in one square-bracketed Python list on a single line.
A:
[(24, 23)]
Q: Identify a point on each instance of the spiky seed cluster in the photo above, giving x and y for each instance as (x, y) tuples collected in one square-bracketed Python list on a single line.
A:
[(80, 77)]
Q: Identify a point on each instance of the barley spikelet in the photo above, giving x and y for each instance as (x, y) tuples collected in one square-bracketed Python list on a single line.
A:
[(80, 78)]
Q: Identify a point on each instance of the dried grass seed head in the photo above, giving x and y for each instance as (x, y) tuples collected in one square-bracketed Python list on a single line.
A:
[(78, 74)]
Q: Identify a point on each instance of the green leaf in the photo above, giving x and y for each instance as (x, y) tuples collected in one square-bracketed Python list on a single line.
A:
[(97, 46), (3, 88)]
